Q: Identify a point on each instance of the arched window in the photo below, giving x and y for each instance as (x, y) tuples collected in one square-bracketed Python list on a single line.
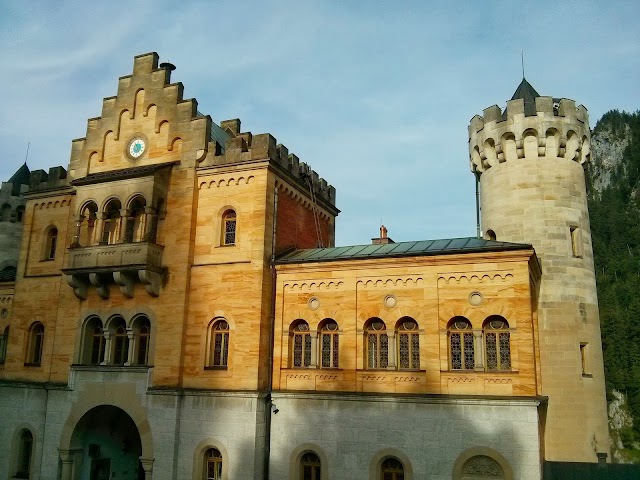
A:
[(497, 343), (213, 464), (229, 228), (111, 225), (329, 344), (4, 340), (136, 220), (94, 342), (88, 216), (19, 213), (25, 451), (310, 466), (5, 213), (408, 344), (142, 339), (377, 344), (219, 355), (482, 467), (300, 344), (52, 243), (36, 342), (120, 343), (392, 469), (461, 341)]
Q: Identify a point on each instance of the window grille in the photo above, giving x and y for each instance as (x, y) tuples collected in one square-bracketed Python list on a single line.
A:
[(461, 345), (377, 345)]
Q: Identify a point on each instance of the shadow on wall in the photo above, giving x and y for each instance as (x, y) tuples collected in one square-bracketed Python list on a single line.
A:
[(354, 438)]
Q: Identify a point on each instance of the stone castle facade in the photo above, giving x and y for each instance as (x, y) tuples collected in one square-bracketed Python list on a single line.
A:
[(179, 309)]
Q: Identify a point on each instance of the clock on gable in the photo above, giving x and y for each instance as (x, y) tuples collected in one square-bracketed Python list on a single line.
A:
[(137, 147)]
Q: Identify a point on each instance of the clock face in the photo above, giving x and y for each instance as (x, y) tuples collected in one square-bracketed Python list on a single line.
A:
[(136, 147)]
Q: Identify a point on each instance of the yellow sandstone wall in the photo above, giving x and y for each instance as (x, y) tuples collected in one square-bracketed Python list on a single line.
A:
[(431, 290)]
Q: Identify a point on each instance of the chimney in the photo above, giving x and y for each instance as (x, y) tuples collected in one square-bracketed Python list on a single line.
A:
[(383, 239)]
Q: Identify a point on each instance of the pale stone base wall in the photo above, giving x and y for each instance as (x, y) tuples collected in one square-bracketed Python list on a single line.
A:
[(181, 426), (350, 432)]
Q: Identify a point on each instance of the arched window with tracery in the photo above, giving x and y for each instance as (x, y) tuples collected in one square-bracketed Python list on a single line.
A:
[(4, 340), (120, 342), (25, 452), (111, 222), (310, 466), (391, 469), (219, 355), (51, 243), (300, 344), (408, 344), (497, 343), (36, 343), (212, 465), (482, 467), (142, 339), (329, 344), (377, 344), (229, 228), (461, 344)]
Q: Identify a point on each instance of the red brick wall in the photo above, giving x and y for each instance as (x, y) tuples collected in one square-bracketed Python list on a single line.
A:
[(295, 227)]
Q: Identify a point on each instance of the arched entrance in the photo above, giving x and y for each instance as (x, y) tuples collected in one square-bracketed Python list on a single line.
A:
[(107, 445)]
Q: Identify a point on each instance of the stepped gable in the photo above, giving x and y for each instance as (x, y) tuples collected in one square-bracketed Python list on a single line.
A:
[(244, 147), (149, 107), (531, 126)]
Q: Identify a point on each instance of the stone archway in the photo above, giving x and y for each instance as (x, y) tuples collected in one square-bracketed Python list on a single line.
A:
[(105, 443), (121, 397)]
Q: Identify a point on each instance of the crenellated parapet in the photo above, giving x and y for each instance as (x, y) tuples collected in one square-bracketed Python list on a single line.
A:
[(41, 181), (241, 147), (558, 129)]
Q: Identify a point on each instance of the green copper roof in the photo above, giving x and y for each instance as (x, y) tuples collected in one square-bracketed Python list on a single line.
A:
[(402, 249)]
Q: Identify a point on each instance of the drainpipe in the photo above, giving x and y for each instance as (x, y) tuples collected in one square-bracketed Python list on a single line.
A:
[(272, 266), (478, 231)]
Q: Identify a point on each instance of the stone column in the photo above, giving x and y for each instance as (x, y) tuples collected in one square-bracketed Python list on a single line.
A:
[(124, 219), (149, 217), (98, 231), (66, 457), (76, 236), (478, 351), (314, 349), (147, 465), (391, 342), (130, 353), (107, 348)]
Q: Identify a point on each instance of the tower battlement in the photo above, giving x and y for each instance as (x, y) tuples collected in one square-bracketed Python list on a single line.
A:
[(245, 147), (529, 128), (40, 180)]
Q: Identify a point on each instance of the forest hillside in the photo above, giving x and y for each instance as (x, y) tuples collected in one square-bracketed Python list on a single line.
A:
[(613, 185)]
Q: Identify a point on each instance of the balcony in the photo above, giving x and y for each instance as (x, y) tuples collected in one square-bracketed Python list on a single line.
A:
[(122, 264)]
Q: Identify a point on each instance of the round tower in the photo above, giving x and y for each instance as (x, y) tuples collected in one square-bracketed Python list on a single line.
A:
[(529, 162)]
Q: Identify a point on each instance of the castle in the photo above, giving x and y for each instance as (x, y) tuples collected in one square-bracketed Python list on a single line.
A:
[(174, 307)]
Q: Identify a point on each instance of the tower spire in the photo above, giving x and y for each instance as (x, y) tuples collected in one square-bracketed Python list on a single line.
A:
[(522, 61)]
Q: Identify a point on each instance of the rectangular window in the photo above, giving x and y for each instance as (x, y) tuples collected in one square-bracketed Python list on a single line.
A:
[(584, 354), (576, 241)]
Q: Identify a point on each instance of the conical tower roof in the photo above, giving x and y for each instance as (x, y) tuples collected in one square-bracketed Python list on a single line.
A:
[(529, 94), (21, 177)]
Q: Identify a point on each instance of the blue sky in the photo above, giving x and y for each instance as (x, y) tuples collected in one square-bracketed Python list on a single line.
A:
[(376, 96)]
